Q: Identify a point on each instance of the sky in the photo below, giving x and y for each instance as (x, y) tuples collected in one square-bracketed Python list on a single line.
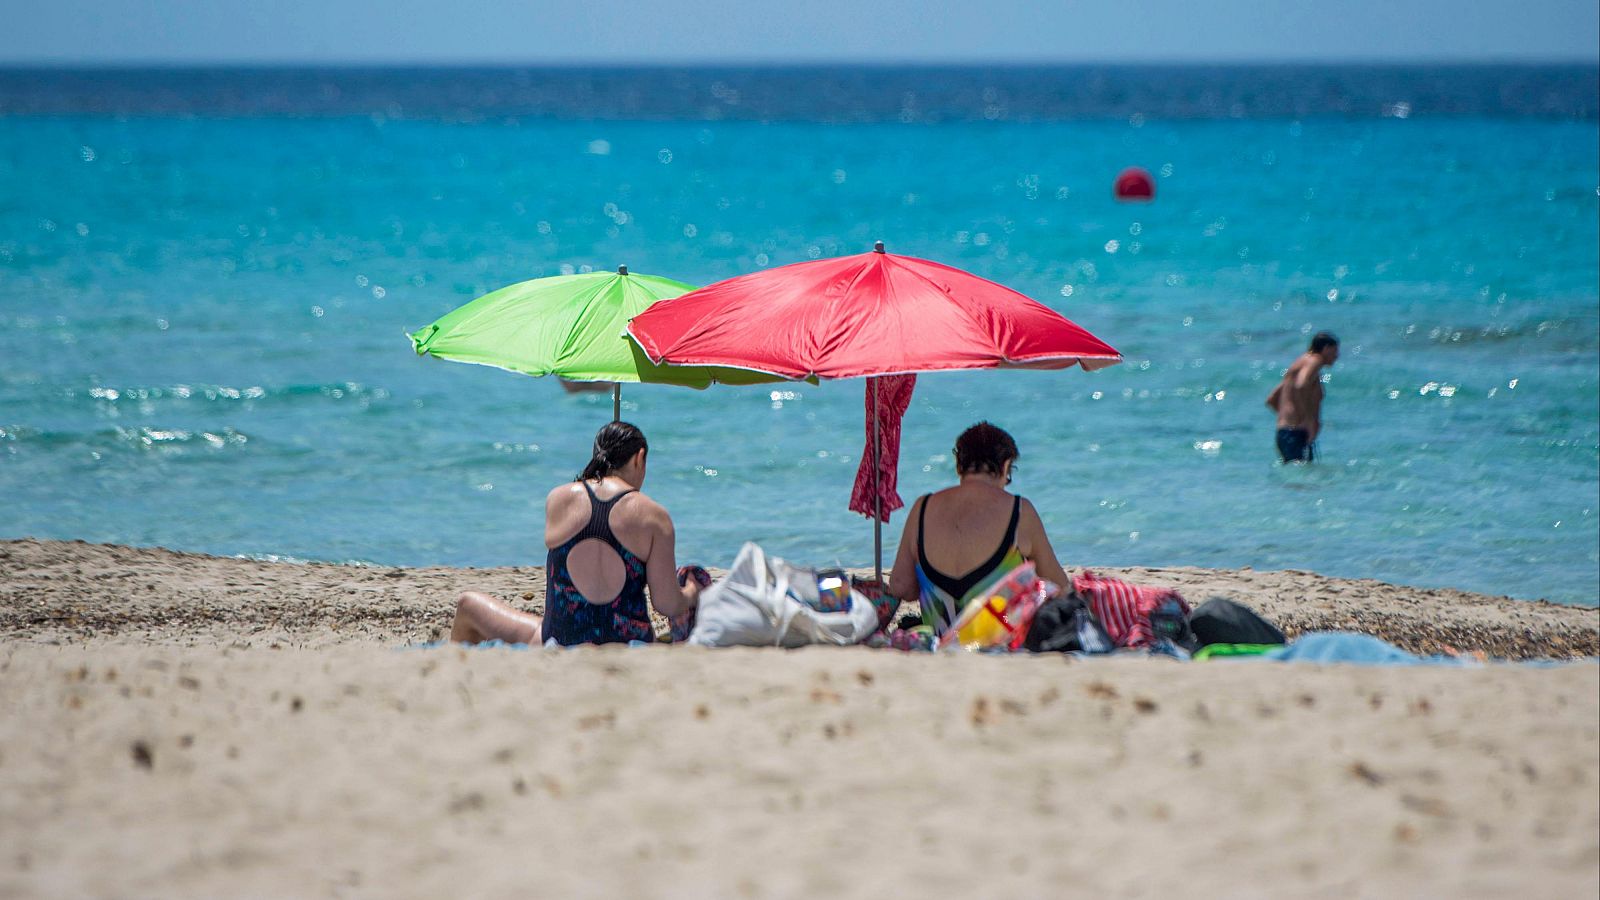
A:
[(616, 32)]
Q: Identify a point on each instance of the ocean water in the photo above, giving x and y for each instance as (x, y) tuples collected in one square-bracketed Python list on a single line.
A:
[(206, 278)]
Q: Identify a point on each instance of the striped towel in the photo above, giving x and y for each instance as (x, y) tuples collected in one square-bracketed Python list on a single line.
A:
[(1123, 608)]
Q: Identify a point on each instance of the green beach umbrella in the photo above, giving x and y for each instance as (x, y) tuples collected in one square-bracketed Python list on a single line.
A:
[(570, 326)]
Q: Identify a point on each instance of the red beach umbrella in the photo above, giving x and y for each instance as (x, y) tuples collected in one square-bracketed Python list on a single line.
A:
[(867, 315), (870, 314)]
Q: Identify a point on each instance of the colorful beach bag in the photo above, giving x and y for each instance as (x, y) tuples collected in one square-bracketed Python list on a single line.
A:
[(1124, 609), (1001, 616)]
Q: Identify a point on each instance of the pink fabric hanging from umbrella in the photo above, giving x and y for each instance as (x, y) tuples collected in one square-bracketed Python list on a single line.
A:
[(893, 399)]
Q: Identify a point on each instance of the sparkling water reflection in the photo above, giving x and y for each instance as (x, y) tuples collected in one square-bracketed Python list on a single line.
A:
[(207, 318)]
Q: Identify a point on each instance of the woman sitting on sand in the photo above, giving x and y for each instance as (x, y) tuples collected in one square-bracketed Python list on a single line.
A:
[(976, 527), (607, 542)]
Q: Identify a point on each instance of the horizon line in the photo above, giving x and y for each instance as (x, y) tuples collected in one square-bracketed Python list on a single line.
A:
[(746, 63)]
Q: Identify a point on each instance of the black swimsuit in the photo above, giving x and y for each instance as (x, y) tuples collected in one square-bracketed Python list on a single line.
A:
[(569, 618), (958, 587)]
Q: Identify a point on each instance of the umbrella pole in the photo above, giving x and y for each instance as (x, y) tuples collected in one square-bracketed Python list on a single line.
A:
[(877, 491), (616, 402)]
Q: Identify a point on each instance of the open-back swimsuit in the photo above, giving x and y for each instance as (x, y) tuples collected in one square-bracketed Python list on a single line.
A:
[(571, 619), (943, 597)]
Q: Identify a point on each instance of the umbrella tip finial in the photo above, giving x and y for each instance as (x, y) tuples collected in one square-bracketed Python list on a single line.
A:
[(877, 246), (622, 270)]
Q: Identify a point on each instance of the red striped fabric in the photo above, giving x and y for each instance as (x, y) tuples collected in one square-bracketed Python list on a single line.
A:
[(1122, 608)]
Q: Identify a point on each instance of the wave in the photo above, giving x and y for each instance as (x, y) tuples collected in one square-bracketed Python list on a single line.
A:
[(134, 439), (348, 391), (1563, 333)]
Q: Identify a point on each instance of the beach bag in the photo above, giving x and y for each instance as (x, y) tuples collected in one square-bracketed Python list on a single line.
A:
[(766, 602), (1222, 621), (885, 603), (1064, 624), (1003, 615), (1124, 609)]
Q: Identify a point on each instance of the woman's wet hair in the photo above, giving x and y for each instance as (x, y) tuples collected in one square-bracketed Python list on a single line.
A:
[(984, 449), (614, 445)]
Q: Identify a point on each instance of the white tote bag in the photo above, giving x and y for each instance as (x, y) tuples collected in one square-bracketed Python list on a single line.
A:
[(756, 606)]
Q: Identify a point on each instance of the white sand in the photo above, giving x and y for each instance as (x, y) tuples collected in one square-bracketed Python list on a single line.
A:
[(183, 756)]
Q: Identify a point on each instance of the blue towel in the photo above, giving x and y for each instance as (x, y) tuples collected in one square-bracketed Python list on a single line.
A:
[(498, 645), (1347, 647)]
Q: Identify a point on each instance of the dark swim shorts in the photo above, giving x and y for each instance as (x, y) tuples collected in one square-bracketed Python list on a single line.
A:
[(1294, 445)]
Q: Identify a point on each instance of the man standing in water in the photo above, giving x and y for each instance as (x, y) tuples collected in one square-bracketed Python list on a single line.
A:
[(1298, 399)]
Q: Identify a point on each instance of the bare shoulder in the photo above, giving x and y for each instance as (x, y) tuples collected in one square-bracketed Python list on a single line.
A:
[(1032, 539), (913, 513), (1029, 516), (563, 495), (645, 507), (1304, 370)]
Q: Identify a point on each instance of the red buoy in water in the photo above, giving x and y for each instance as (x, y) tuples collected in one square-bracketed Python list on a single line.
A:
[(1134, 184)]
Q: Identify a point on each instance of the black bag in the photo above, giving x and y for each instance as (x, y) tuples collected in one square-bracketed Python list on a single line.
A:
[(1064, 624), (1222, 621)]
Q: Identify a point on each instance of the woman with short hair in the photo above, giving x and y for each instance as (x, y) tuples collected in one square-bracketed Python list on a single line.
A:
[(976, 528)]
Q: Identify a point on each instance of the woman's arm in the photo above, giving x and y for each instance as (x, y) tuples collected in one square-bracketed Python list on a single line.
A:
[(903, 578), (661, 568), (1035, 546)]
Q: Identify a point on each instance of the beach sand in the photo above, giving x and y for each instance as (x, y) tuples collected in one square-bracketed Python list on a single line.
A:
[(185, 725)]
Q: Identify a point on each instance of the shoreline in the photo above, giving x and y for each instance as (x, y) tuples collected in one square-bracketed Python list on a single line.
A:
[(66, 592)]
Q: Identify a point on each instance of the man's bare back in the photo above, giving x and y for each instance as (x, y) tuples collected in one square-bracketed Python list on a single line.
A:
[(1298, 399)]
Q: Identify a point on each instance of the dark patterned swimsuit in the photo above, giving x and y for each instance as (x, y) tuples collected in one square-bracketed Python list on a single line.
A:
[(568, 617)]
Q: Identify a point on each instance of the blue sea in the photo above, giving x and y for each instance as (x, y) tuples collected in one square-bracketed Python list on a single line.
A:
[(206, 278)]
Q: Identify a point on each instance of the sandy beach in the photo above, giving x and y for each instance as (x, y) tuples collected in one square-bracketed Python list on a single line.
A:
[(184, 725), (73, 592)]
